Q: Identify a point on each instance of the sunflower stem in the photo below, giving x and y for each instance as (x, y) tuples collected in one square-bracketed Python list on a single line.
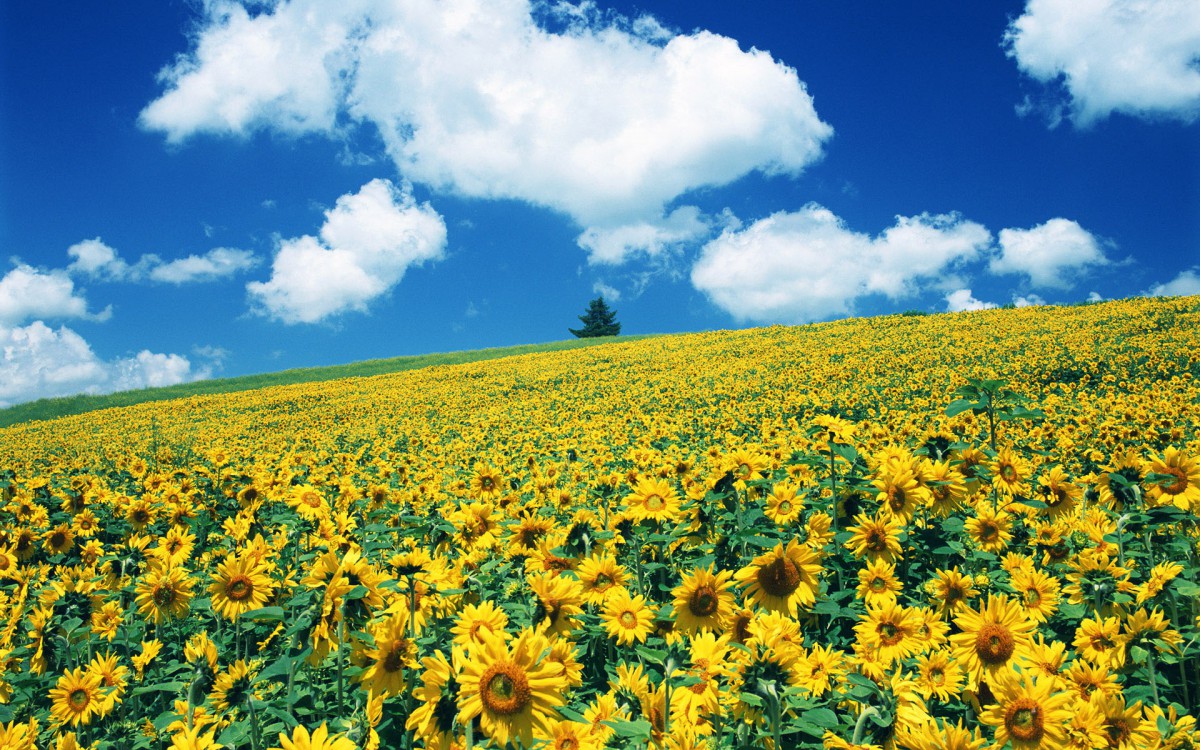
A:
[(861, 725), (341, 656), (833, 490), (1153, 674), (255, 740)]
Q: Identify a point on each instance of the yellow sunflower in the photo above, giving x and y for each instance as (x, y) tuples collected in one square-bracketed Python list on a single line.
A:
[(476, 622), (1037, 592), (783, 506), (393, 652), (654, 500), (938, 676), (514, 691), (951, 591), (320, 739), (433, 719), (1180, 479), (877, 538), (889, 631), (240, 584), (600, 575), (703, 600), (782, 580), (232, 687), (991, 638), (164, 593), (878, 583), (627, 618), (989, 529), (76, 697), (1009, 472), (900, 491), (488, 482)]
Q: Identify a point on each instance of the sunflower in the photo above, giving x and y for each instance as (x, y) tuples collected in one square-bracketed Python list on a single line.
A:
[(1037, 592), (820, 669), (878, 538), (19, 735), (600, 575), (654, 500), (878, 583), (232, 687), (560, 600), (476, 622), (991, 638), (76, 697), (59, 540), (938, 675), (320, 739), (308, 502), (889, 631), (951, 591), (782, 580), (393, 652), (107, 620), (488, 482), (176, 547), (9, 565), (239, 585), (113, 679), (942, 735), (514, 691), (1125, 726), (947, 487), (900, 491), (434, 717), (150, 650), (1009, 472), (1099, 640), (196, 738), (1180, 479), (744, 465), (1090, 679), (703, 600), (1057, 492), (782, 505), (571, 735), (627, 618), (989, 529)]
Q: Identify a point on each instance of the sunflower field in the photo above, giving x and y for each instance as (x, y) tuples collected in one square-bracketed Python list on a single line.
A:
[(942, 532)]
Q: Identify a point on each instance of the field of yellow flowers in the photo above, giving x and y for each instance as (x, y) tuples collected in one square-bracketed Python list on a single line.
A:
[(940, 532)]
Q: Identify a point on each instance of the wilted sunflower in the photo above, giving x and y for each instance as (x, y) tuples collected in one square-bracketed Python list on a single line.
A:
[(703, 600), (782, 580), (76, 697), (239, 585), (991, 638), (1028, 712), (627, 618), (513, 691), (164, 593)]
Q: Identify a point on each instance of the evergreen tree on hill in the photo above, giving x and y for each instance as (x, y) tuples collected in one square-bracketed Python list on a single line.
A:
[(599, 320)]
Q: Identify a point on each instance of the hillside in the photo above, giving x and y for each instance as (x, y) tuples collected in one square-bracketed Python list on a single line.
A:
[(936, 521)]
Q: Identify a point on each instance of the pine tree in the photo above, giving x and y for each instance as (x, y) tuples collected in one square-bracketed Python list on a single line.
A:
[(597, 321)]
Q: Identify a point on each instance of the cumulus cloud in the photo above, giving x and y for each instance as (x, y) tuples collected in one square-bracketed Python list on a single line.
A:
[(215, 264), (1137, 57), (604, 119), (95, 259), (604, 290), (37, 361), (1052, 255), (961, 300), (1185, 284), (369, 239), (807, 265), (27, 293), (1029, 300), (613, 245)]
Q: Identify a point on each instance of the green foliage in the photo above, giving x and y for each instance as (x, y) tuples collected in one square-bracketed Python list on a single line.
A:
[(598, 321)]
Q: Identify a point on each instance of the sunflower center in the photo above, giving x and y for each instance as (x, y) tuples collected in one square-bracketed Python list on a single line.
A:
[(955, 593), (79, 699), (394, 661), (1032, 597), (567, 743), (239, 588), (780, 577), (504, 689), (785, 506), (311, 499), (896, 499), (164, 596), (988, 532), (703, 601), (889, 634), (1118, 731), (1008, 472), (1179, 486), (994, 644), (1023, 719), (486, 483), (58, 539), (654, 502), (878, 585), (937, 676), (140, 516), (628, 619)]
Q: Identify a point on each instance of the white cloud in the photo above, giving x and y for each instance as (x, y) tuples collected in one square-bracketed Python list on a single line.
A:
[(1094, 297), (37, 361), (215, 264), (613, 245), (1030, 300), (1185, 284), (27, 293), (807, 265), (369, 239), (1052, 255), (605, 120), (962, 300), (95, 259), (604, 290), (1137, 57)]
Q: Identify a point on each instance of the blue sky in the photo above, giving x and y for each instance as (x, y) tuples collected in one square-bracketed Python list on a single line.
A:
[(205, 189)]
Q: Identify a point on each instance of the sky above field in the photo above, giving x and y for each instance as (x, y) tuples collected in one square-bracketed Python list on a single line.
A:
[(205, 189)]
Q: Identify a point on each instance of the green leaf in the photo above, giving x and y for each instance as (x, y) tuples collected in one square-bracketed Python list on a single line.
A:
[(958, 407), (571, 714), (750, 699), (822, 717), (639, 728), (162, 687), (265, 614)]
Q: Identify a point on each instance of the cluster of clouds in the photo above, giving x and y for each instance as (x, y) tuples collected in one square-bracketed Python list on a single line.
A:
[(38, 360)]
